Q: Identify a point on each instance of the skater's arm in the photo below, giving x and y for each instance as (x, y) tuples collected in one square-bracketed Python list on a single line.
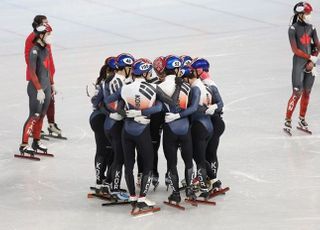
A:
[(293, 43), (109, 100), (216, 98), (162, 96), (193, 106), (98, 97), (157, 107), (315, 41), (33, 56), (52, 69)]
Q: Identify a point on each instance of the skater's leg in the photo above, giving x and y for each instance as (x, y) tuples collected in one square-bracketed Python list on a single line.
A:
[(211, 153), (307, 85), (129, 158), (118, 160), (43, 107), (297, 86), (102, 145), (144, 147), (200, 137), (51, 110), (34, 113)]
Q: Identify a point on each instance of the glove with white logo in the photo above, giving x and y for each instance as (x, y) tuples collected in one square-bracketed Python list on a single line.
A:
[(211, 109), (171, 117), (133, 113), (314, 59), (142, 120), (40, 96), (54, 90), (116, 116)]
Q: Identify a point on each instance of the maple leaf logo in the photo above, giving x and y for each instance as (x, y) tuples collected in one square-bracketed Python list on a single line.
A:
[(305, 39), (46, 62)]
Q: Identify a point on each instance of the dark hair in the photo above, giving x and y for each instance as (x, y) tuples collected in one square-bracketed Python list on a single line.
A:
[(37, 21), (103, 74), (170, 71), (295, 18)]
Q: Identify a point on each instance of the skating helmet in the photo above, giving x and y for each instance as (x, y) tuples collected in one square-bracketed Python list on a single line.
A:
[(159, 65), (111, 62), (124, 60), (141, 66), (186, 72), (200, 63), (172, 62), (302, 7), (185, 59)]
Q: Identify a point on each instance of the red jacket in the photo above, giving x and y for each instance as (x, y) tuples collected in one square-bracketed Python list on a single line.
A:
[(28, 45)]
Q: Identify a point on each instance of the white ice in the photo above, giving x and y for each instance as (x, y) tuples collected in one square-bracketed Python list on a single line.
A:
[(274, 179)]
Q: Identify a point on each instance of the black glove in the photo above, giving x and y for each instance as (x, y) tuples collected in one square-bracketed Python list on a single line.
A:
[(178, 81)]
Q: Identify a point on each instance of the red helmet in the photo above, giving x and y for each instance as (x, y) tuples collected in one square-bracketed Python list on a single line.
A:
[(159, 65), (302, 7)]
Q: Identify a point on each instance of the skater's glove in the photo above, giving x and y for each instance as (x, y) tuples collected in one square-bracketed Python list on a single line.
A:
[(128, 80), (179, 81), (40, 96), (142, 120), (171, 117), (54, 90), (133, 113), (315, 71), (211, 109), (314, 59), (116, 116)]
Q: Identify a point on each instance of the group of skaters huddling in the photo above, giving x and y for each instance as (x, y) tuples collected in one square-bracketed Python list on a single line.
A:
[(132, 107)]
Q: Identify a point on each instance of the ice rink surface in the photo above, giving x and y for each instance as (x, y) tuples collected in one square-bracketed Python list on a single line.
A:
[(274, 179)]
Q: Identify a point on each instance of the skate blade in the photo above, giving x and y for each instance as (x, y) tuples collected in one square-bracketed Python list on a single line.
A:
[(155, 187), (304, 130), (116, 203), (192, 202), (287, 131), (219, 192), (169, 203), (44, 154), (207, 202), (27, 157), (144, 211), (55, 136), (101, 197)]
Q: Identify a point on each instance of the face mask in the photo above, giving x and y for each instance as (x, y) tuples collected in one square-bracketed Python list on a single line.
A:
[(307, 18)]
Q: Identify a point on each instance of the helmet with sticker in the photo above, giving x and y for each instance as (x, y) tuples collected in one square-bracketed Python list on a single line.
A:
[(302, 7), (111, 62), (200, 63), (172, 62), (185, 60), (186, 72), (141, 66), (124, 60)]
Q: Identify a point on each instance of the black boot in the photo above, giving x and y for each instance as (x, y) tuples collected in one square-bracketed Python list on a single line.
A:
[(190, 194), (146, 180), (37, 145), (175, 197), (173, 180)]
